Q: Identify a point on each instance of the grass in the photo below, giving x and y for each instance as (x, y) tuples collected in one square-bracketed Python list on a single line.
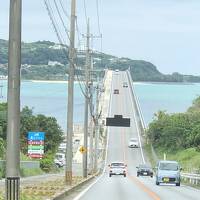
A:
[(25, 172)]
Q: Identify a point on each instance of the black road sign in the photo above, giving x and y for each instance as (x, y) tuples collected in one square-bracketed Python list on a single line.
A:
[(118, 120)]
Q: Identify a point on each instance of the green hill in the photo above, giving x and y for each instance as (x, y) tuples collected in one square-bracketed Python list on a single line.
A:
[(47, 60)]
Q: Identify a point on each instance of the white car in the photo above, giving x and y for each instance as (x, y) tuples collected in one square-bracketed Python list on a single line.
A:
[(133, 143), (117, 168), (125, 84), (59, 159)]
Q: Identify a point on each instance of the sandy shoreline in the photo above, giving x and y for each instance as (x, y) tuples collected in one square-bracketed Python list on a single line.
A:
[(48, 81)]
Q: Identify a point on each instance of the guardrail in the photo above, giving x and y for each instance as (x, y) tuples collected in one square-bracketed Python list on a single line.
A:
[(137, 104), (192, 178)]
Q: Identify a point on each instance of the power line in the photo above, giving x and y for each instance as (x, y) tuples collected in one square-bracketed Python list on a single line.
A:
[(98, 18), (61, 19), (64, 11), (51, 16), (60, 39)]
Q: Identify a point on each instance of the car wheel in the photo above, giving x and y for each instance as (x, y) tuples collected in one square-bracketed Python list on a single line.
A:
[(151, 176), (178, 184), (124, 175), (157, 183), (138, 175), (110, 175)]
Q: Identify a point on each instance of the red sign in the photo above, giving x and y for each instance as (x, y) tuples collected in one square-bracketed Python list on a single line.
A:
[(36, 155), (35, 142)]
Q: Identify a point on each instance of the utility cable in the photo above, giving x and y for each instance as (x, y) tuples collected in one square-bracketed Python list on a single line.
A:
[(61, 19), (98, 18), (64, 11)]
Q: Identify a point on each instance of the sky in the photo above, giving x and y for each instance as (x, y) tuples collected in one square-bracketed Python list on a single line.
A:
[(164, 32)]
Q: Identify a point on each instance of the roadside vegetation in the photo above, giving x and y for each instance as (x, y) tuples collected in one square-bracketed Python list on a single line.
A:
[(31, 122), (178, 136)]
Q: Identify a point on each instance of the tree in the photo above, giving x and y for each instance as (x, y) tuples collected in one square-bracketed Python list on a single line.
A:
[(49, 125)]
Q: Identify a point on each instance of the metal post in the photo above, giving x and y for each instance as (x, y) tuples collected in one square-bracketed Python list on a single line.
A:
[(69, 149), (13, 115), (91, 118), (86, 103), (96, 131)]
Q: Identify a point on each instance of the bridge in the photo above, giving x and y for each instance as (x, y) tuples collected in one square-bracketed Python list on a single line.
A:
[(131, 187)]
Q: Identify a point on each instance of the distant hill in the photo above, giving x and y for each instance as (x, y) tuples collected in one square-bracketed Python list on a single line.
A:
[(47, 61)]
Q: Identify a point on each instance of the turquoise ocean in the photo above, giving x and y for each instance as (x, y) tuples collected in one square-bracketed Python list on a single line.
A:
[(50, 98), (172, 97)]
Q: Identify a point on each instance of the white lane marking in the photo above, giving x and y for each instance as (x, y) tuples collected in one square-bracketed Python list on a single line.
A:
[(141, 149), (106, 155)]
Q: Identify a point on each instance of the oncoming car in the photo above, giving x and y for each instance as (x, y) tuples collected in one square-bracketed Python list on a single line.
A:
[(168, 172), (144, 170), (133, 143), (117, 168)]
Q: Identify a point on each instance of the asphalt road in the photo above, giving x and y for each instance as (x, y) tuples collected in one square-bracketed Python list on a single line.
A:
[(131, 187)]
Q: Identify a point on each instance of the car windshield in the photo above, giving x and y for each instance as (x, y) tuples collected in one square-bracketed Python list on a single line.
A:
[(118, 165), (144, 167), (168, 166)]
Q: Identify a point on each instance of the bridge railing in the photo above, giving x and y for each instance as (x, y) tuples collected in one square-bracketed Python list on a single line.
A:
[(140, 117)]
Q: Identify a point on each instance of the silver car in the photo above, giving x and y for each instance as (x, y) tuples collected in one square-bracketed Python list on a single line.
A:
[(168, 172), (117, 168)]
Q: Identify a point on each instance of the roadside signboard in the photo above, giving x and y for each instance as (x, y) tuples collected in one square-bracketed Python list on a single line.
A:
[(36, 144), (82, 149)]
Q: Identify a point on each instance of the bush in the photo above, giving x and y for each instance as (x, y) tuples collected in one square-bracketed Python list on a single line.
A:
[(3, 170), (47, 163)]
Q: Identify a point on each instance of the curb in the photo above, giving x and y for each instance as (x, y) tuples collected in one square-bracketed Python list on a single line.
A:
[(61, 195)]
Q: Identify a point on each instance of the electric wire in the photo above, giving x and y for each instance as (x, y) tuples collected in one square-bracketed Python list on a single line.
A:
[(64, 11), (55, 26), (53, 23), (61, 41), (61, 19), (98, 18)]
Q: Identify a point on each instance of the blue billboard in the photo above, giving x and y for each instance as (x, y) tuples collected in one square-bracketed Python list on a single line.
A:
[(36, 136)]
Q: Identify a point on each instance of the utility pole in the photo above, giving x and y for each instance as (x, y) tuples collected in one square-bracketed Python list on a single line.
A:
[(13, 113), (69, 149), (91, 118), (85, 161), (96, 131)]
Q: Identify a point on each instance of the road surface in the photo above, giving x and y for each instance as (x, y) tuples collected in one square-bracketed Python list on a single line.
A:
[(131, 187)]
